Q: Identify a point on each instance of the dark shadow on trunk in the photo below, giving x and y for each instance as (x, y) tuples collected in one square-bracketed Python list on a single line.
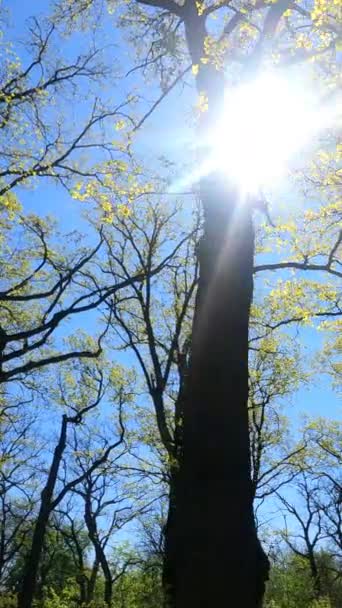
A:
[(211, 541)]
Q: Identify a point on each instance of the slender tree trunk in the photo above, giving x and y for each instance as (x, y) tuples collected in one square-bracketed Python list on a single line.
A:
[(82, 584), (99, 551), (81, 578), (314, 574), (29, 582), (92, 582), (2, 537), (170, 556), (108, 590), (170, 532)]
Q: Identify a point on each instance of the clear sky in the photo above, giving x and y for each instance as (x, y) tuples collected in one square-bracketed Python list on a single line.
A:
[(165, 134)]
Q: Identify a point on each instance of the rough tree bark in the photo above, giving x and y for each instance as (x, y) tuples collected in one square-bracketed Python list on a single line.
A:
[(212, 547), (213, 555)]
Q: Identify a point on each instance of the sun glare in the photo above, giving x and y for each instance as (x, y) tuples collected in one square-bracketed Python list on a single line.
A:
[(266, 123)]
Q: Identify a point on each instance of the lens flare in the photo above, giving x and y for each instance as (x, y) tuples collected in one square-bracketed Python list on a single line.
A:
[(267, 122)]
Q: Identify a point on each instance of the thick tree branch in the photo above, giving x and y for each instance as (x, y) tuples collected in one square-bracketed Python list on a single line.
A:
[(299, 266), (167, 5)]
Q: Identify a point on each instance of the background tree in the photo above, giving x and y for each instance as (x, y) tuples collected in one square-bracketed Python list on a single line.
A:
[(38, 133), (85, 394), (20, 461), (108, 506), (31, 316), (75, 536), (291, 583)]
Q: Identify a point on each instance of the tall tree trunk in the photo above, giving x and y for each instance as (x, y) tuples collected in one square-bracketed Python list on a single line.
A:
[(219, 559), (29, 582), (214, 557)]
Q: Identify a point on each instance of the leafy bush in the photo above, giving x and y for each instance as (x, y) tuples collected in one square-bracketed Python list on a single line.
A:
[(324, 602), (8, 600)]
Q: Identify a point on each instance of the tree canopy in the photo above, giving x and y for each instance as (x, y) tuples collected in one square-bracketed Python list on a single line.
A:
[(132, 340)]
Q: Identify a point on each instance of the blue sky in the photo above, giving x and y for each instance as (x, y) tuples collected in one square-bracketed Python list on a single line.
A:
[(164, 135)]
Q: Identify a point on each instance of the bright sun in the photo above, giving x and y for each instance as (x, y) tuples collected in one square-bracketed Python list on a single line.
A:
[(266, 123)]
